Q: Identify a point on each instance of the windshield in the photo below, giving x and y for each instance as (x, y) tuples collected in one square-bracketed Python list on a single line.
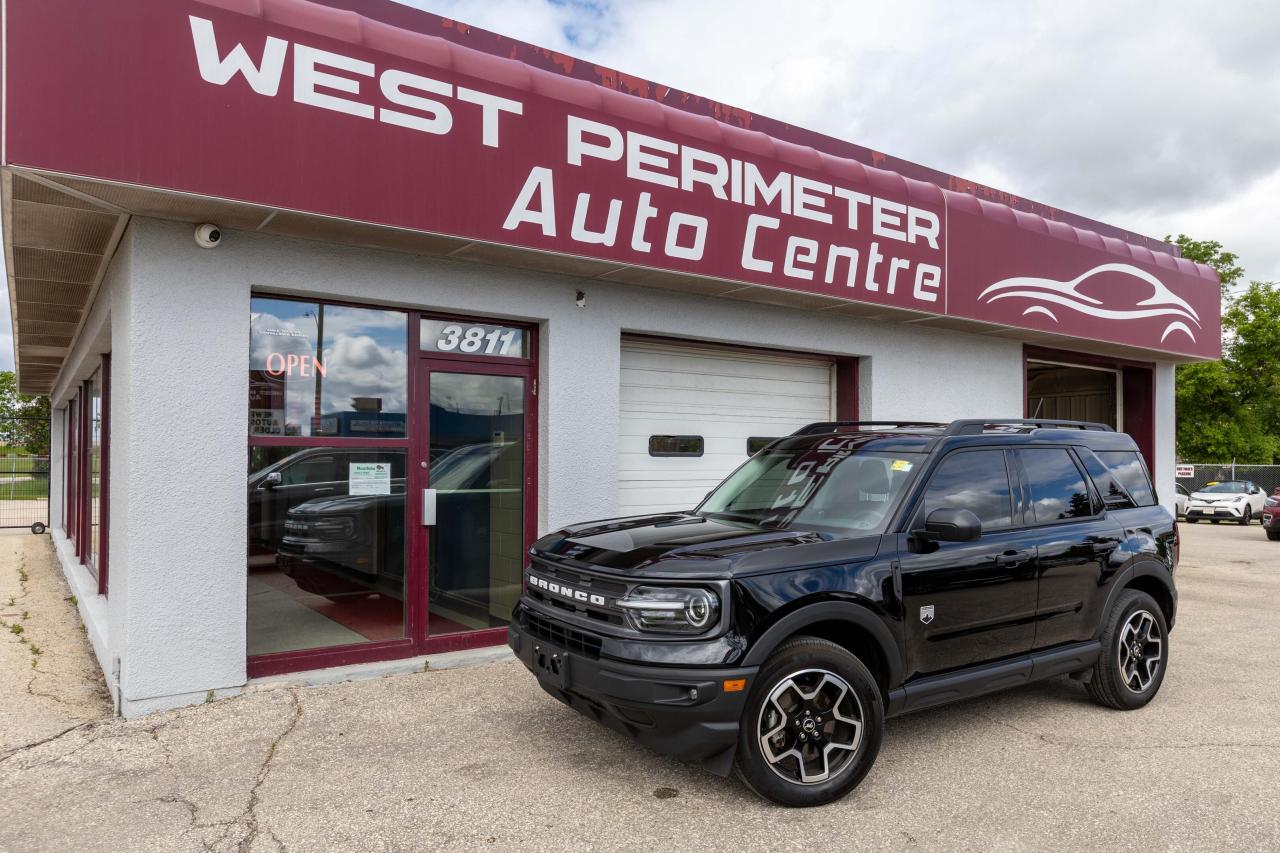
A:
[(829, 487), (1232, 487)]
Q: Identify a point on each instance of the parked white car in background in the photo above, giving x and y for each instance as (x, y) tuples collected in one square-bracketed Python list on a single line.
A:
[(1240, 501), (1180, 500)]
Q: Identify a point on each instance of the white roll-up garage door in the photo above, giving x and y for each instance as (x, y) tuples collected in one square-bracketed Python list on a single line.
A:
[(711, 399)]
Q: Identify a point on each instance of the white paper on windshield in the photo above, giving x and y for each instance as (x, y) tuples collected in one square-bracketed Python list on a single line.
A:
[(369, 478)]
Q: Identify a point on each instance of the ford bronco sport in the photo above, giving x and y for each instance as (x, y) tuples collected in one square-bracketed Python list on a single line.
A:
[(851, 572)]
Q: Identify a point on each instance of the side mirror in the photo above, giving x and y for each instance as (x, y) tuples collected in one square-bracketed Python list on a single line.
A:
[(272, 480), (952, 525)]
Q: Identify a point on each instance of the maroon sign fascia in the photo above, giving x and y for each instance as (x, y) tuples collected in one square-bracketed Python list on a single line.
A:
[(296, 105)]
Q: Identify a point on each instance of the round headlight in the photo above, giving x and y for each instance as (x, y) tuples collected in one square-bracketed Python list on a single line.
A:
[(700, 609)]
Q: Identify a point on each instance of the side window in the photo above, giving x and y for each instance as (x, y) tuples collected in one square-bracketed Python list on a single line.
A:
[(976, 480), (1109, 486), (316, 469), (1058, 490), (1128, 468)]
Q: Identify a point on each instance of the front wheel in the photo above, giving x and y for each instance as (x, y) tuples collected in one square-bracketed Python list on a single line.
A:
[(1273, 535), (1246, 517), (1135, 653), (812, 726), (1193, 521)]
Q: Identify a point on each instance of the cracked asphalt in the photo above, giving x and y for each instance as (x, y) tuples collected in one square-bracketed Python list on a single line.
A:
[(480, 759)]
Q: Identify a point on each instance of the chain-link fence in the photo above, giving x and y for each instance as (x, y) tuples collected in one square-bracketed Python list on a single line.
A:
[(1197, 476), (24, 473)]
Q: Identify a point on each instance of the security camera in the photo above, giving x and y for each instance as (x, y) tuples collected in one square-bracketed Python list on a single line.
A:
[(208, 235)]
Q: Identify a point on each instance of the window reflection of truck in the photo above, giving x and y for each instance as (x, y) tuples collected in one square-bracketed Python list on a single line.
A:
[(311, 473), (354, 544)]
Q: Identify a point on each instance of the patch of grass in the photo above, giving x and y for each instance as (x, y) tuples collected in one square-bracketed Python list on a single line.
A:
[(16, 629), (35, 650), (208, 697), (26, 614), (23, 577), (71, 598)]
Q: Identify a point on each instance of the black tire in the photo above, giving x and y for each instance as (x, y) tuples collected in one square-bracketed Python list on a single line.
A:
[(1273, 535), (806, 661), (1246, 517), (38, 528), (1216, 520), (1109, 685), (1193, 521)]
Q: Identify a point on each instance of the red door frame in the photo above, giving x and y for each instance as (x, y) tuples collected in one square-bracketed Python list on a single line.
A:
[(1136, 383), (417, 446)]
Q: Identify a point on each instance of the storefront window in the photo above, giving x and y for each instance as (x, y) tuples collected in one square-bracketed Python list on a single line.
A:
[(326, 547), (93, 559), (327, 370), (328, 391)]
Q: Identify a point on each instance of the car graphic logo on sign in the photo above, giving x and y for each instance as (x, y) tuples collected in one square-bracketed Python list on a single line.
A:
[(926, 614)]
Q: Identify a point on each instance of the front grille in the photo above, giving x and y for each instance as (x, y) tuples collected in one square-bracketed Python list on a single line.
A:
[(583, 582), (562, 635)]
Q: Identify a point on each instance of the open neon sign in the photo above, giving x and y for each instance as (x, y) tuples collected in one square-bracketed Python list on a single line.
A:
[(292, 364)]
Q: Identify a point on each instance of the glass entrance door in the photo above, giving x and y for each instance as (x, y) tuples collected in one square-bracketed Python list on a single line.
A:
[(476, 492)]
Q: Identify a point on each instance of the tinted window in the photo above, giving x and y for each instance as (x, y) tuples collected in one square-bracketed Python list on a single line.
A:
[(313, 469), (1128, 468), (1058, 491), (675, 445), (757, 443), (1109, 486), (976, 481)]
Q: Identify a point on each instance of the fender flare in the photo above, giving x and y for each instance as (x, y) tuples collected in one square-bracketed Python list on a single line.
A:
[(1146, 568), (830, 611)]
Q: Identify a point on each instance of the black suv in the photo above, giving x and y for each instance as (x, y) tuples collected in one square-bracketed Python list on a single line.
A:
[(851, 572)]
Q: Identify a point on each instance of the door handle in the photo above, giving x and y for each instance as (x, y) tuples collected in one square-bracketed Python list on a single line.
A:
[(1012, 558), (428, 507), (1103, 547)]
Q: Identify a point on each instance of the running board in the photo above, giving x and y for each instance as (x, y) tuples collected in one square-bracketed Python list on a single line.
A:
[(988, 678)]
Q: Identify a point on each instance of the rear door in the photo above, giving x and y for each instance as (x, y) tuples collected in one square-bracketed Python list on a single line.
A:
[(1074, 539), (968, 602)]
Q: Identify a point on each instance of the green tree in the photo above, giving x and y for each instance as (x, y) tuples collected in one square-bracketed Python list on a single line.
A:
[(24, 419), (1230, 409), (1210, 252)]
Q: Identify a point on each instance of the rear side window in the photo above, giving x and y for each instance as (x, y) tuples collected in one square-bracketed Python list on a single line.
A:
[(975, 480), (1058, 490), (1128, 468)]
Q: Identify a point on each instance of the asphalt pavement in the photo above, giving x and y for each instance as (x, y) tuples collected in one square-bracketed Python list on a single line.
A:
[(480, 758)]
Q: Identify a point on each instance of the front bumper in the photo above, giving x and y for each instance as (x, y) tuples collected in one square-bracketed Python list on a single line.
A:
[(684, 712), (1227, 511)]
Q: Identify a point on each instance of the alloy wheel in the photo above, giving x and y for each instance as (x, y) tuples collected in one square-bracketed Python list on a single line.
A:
[(810, 727), (1141, 651)]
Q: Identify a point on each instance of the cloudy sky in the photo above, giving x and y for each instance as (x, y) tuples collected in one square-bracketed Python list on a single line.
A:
[(1161, 118)]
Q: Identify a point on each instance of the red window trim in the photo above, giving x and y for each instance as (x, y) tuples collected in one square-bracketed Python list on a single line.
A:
[(416, 625)]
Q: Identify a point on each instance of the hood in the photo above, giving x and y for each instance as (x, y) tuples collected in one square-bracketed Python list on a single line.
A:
[(686, 545), (1214, 497)]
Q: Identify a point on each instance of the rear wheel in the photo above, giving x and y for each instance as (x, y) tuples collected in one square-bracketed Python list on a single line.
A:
[(812, 726), (1273, 535), (1247, 516), (1193, 520), (1135, 652)]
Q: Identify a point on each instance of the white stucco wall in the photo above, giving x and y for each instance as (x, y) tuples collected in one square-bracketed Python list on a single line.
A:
[(1165, 432), (179, 321)]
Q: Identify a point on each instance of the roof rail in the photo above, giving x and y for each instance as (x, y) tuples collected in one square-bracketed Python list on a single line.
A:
[(832, 426), (979, 426)]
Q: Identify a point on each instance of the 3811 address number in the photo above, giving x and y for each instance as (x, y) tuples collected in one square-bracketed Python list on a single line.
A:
[(473, 339)]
